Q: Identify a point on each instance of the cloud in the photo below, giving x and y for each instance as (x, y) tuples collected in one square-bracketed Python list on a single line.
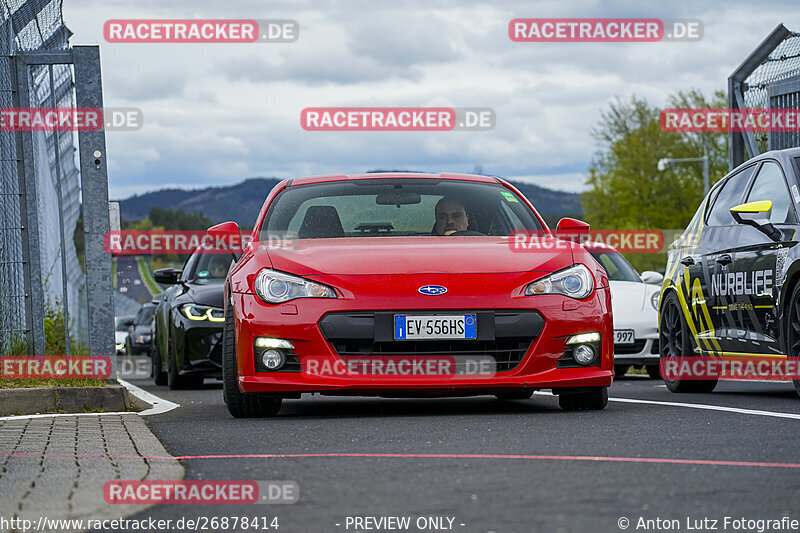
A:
[(216, 114)]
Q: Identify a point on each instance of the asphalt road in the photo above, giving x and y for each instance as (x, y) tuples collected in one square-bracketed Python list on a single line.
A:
[(129, 280), (484, 493)]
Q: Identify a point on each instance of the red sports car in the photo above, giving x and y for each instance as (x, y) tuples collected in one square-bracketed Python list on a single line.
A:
[(403, 284)]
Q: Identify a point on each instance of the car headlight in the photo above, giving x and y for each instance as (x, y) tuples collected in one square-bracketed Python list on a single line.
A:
[(142, 339), (276, 287), (203, 312), (654, 300), (575, 282)]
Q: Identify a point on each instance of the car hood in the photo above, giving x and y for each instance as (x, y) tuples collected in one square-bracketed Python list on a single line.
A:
[(630, 302), (207, 292), (414, 255)]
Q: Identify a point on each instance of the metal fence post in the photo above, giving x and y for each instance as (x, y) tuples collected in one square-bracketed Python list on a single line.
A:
[(94, 194), (29, 215)]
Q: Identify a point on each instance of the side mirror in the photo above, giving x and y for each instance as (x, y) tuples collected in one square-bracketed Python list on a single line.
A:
[(756, 214), (652, 277), (228, 232), (129, 322), (224, 230), (167, 276), (572, 229)]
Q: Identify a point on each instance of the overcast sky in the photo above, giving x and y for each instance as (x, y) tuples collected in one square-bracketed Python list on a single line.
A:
[(216, 114)]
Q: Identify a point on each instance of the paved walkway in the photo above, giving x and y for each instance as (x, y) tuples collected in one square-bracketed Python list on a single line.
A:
[(56, 467)]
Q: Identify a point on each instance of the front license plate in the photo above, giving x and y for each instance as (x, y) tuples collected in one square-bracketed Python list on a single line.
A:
[(623, 336), (435, 327)]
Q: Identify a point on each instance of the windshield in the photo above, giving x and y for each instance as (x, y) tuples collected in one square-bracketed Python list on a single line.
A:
[(145, 314), (617, 266), (212, 266), (388, 207), (120, 323)]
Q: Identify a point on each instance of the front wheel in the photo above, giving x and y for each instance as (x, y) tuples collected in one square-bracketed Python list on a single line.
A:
[(176, 381), (241, 404), (675, 340), (793, 329), (593, 399), (157, 372), (620, 371)]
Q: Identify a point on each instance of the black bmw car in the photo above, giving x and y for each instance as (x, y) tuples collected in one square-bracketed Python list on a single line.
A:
[(187, 332)]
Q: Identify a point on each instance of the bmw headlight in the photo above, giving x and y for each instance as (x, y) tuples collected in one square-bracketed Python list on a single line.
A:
[(203, 312), (575, 282), (276, 287), (654, 300)]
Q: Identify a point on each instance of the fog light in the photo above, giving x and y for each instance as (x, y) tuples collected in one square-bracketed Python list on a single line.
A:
[(273, 359), (583, 354)]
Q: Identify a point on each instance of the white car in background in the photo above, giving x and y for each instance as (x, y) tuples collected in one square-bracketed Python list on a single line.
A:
[(634, 302), (121, 324)]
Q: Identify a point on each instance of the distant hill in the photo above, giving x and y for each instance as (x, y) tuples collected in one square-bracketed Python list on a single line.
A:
[(242, 202)]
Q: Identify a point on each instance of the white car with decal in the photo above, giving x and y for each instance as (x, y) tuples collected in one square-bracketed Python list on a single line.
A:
[(634, 301)]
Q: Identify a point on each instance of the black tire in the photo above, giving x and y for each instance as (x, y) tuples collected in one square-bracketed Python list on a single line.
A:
[(241, 404), (792, 312), (620, 371), (175, 381), (514, 395), (654, 371), (593, 399), (675, 340), (156, 370)]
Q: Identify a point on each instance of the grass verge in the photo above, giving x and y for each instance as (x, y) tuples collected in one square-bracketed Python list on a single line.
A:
[(147, 276), (50, 383)]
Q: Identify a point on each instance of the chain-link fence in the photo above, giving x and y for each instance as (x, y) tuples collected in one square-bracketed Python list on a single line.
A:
[(26, 26), (768, 79)]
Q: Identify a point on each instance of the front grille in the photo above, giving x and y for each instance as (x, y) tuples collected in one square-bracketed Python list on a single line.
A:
[(503, 336), (636, 347), (507, 353)]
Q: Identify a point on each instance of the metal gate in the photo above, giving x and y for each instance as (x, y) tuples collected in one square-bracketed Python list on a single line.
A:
[(768, 78), (42, 195), (784, 95)]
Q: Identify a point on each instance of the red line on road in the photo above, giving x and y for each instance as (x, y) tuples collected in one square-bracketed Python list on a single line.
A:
[(657, 460)]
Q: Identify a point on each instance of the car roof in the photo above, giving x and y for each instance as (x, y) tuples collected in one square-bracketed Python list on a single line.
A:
[(388, 175), (599, 247), (783, 155)]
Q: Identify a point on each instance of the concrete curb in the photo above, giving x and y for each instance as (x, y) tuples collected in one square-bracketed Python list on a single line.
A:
[(63, 399)]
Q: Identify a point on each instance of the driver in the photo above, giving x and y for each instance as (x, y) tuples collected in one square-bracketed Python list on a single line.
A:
[(451, 217)]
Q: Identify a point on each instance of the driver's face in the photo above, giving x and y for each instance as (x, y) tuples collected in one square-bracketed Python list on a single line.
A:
[(451, 217)]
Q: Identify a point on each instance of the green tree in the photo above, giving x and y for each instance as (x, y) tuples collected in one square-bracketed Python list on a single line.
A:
[(179, 220), (626, 189)]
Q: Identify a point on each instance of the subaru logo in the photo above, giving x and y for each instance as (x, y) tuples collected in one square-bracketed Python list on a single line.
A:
[(432, 290)]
